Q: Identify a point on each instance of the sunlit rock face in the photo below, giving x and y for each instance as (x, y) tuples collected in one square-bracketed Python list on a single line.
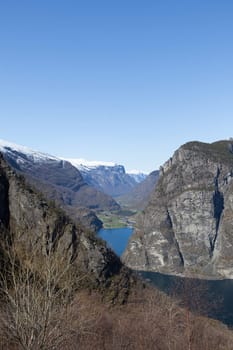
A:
[(187, 227)]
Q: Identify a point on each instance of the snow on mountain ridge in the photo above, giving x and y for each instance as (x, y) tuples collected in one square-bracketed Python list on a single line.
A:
[(37, 156), (83, 164), (80, 162)]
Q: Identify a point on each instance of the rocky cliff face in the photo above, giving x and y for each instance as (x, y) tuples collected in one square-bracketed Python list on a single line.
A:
[(27, 219), (187, 227)]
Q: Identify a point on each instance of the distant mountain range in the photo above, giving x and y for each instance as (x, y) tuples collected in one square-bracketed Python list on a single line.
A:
[(108, 177), (60, 181), (82, 188)]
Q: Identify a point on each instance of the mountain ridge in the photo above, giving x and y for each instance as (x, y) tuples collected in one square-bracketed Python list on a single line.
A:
[(61, 182), (108, 177)]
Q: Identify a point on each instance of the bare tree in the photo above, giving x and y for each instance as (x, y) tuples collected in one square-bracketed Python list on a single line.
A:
[(36, 288)]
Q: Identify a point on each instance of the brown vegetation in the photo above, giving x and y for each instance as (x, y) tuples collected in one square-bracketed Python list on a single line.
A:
[(33, 295), (150, 320)]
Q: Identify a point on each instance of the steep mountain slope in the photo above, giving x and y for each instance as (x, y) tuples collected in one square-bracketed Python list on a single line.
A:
[(187, 227), (60, 181), (35, 225), (107, 177), (139, 196)]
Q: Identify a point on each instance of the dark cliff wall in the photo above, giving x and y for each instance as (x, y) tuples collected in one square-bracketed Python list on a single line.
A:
[(33, 224)]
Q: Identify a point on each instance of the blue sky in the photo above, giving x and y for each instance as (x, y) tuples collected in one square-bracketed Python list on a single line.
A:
[(116, 80)]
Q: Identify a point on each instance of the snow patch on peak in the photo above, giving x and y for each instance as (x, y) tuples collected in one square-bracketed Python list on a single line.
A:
[(36, 156), (81, 163), (22, 154)]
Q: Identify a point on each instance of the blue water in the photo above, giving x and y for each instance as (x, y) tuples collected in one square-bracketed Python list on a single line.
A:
[(117, 238), (218, 293)]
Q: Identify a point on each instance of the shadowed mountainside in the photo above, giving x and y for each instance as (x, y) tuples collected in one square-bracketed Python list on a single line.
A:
[(28, 219), (62, 182)]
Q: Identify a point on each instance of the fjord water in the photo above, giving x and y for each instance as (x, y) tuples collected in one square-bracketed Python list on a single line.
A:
[(117, 238), (209, 297), (214, 296)]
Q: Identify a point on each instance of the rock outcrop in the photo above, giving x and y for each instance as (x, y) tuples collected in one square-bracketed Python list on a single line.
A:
[(187, 227), (27, 219)]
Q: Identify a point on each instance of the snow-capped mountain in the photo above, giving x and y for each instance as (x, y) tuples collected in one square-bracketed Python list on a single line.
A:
[(86, 165), (59, 179), (109, 177), (24, 152)]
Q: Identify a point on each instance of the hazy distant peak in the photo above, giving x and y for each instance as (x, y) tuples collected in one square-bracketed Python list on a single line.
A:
[(83, 163), (136, 172)]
